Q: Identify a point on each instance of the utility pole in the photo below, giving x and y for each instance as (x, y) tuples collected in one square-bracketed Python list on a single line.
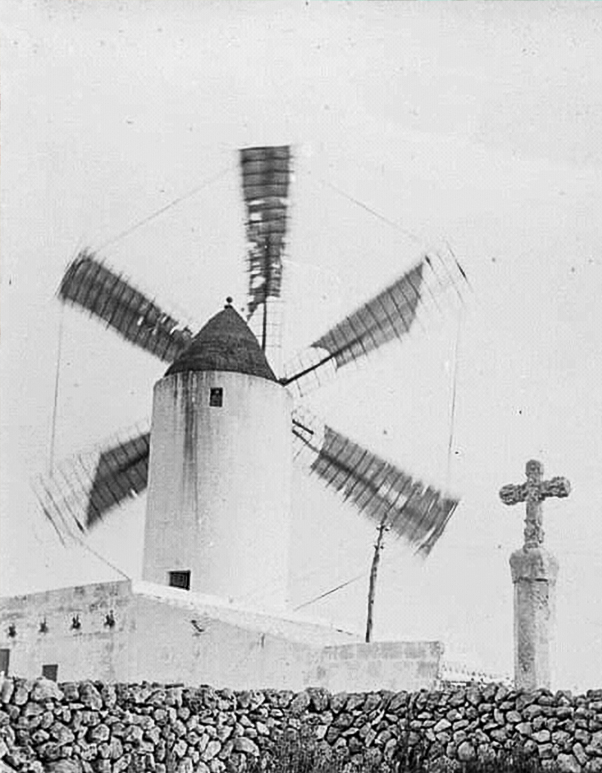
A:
[(378, 546)]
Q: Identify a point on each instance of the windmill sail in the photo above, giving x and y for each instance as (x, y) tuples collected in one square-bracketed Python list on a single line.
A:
[(266, 174), (79, 493), (121, 471), (387, 316), (108, 296), (381, 491)]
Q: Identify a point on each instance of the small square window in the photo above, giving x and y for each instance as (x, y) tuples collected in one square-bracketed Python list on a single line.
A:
[(216, 397), (50, 671), (180, 580)]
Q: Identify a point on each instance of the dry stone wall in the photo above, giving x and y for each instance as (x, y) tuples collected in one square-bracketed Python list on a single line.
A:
[(90, 726)]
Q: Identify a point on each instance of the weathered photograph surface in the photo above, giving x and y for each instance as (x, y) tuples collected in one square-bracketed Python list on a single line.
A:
[(301, 366)]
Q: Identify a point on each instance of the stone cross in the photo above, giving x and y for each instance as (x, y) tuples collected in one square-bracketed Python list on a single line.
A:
[(533, 492), (534, 573)]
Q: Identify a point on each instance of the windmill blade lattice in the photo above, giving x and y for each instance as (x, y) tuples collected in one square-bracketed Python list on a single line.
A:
[(88, 283), (387, 316), (266, 175), (77, 495), (381, 491)]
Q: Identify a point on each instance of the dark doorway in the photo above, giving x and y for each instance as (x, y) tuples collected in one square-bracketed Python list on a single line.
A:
[(50, 671)]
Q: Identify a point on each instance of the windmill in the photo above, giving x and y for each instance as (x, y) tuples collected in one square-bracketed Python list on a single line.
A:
[(204, 499)]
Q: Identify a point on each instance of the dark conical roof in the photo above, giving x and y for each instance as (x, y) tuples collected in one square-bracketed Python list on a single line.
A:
[(224, 343)]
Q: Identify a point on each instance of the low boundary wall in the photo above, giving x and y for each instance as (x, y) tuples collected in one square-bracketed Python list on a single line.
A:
[(91, 726)]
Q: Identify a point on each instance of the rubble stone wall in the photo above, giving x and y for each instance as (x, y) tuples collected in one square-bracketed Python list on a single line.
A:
[(91, 726)]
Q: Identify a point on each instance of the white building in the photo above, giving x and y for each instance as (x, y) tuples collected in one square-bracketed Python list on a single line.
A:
[(217, 523)]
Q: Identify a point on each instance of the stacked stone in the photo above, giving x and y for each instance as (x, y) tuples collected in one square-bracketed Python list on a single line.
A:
[(110, 728)]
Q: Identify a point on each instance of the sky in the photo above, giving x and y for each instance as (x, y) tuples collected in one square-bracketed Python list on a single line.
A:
[(473, 124)]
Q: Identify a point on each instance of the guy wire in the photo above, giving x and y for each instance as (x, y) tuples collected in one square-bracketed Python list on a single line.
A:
[(103, 559), (332, 590), (57, 377), (164, 208), (452, 412), (410, 234)]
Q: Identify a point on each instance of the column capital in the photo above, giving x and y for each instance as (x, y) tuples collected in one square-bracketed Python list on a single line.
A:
[(534, 564)]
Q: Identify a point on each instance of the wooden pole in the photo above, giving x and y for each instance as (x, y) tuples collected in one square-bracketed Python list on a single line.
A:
[(378, 546)]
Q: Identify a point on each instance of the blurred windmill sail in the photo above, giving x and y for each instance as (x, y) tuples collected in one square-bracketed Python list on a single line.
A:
[(266, 175), (411, 509), (88, 283), (387, 316), (78, 494)]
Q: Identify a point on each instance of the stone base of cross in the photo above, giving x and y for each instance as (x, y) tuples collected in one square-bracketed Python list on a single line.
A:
[(534, 572)]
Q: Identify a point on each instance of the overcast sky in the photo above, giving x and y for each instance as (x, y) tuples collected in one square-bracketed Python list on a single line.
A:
[(479, 124)]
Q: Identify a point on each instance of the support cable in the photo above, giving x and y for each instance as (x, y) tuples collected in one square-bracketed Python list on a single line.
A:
[(409, 234), (386, 562), (82, 543), (405, 231), (452, 410), (189, 194), (332, 590), (57, 378), (103, 559)]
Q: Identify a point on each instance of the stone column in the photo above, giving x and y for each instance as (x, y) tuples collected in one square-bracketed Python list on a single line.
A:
[(534, 572)]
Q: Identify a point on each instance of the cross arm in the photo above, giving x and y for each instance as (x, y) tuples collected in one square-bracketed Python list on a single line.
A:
[(556, 487), (512, 495)]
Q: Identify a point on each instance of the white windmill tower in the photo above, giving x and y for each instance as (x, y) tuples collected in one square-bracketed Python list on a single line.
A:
[(220, 468)]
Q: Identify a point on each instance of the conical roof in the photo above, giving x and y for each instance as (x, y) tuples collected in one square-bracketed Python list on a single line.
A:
[(224, 343)]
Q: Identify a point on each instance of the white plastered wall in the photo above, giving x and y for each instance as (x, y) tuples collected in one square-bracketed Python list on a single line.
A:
[(219, 486), (171, 636)]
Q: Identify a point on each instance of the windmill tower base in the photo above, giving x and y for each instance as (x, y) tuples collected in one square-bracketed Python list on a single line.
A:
[(219, 485), (138, 631)]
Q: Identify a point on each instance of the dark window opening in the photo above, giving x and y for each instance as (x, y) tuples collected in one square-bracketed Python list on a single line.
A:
[(216, 397), (4, 661), (50, 671), (180, 580)]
